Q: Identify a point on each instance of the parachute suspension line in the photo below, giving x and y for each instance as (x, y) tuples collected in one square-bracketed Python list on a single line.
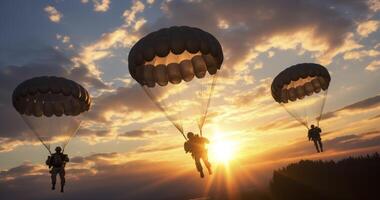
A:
[(201, 101), (71, 136), (322, 107), (295, 116), (203, 116), (152, 97), (47, 146)]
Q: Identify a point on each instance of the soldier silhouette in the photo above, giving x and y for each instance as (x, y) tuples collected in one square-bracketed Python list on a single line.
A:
[(196, 145)]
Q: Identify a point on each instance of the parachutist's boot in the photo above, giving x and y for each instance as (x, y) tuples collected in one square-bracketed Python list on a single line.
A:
[(320, 146), (209, 169), (62, 188), (201, 173), (53, 187)]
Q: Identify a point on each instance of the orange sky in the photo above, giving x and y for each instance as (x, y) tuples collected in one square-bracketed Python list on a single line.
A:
[(125, 140)]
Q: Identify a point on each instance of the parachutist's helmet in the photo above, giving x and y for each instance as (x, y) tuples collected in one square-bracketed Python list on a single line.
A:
[(58, 149), (312, 126), (190, 135)]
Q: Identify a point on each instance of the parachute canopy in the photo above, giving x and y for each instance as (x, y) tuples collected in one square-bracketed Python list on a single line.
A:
[(163, 59), (174, 54), (51, 107), (302, 90), (50, 96), (298, 81)]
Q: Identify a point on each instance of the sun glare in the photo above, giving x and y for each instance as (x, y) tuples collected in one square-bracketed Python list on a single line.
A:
[(222, 150)]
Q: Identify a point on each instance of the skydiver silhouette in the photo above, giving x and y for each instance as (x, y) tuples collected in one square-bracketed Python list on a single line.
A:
[(57, 162), (314, 134), (196, 145)]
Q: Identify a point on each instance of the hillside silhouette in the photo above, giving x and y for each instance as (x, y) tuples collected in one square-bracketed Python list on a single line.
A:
[(350, 178)]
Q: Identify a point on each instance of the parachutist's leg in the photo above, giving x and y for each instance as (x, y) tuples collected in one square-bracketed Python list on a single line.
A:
[(62, 177), (207, 163), (320, 145), (316, 145), (199, 166), (53, 179)]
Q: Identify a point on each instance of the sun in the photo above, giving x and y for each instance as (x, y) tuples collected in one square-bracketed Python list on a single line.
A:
[(222, 150)]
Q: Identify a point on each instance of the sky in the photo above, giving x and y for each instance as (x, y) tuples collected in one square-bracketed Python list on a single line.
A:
[(127, 149)]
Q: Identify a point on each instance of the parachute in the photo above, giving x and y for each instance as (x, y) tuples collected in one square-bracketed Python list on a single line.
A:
[(177, 68), (51, 107), (302, 89)]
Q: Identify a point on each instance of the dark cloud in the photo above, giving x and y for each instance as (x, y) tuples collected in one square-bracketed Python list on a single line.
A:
[(247, 98), (77, 159), (252, 23), (21, 170), (89, 132), (375, 117), (138, 133), (122, 100), (364, 104)]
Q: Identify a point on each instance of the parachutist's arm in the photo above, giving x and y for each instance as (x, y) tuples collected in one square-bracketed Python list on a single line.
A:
[(48, 161), (185, 147), (66, 158)]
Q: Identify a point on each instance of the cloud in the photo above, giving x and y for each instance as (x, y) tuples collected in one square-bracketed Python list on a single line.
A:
[(155, 149), (360, 106), (131, 100), (366, 28), (280, 124), (374, 5), (100, 49), (313, 26), (138, 133), (355, 55), (130, 14), (258, 94), (373, 66), (368, 103), (54, 15), (123, 36), (101, 5)]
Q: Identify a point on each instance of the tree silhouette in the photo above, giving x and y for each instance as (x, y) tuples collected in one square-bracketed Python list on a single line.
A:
[(350, 178)]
